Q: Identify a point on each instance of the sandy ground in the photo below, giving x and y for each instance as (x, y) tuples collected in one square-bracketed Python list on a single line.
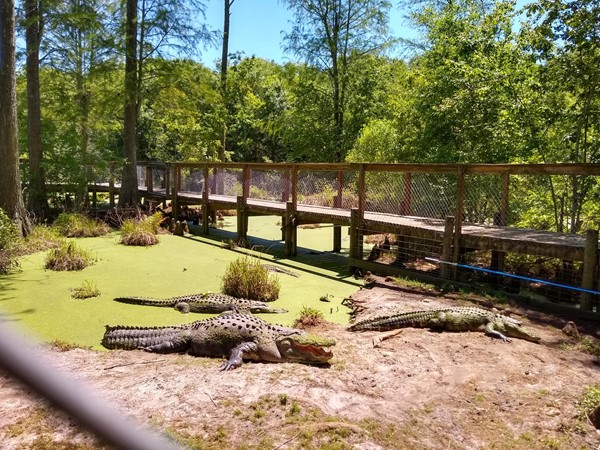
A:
[(419, 389)]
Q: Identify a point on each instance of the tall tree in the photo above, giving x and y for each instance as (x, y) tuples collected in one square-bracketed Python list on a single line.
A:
[(11, 199), (330, 34), (37, 197), (129, 195), (224, 64)]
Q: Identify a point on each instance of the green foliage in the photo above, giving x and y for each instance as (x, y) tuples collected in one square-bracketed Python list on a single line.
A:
[(79, 225), (309, 317), (9, 238), (68, 256), (141, 232), (247, 278), (41, 238), (588, 401), (88, 289), (8, 231)]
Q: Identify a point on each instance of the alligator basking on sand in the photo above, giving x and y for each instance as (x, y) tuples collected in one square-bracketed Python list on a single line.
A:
[(233, 335), (452, 319), (205, 303)]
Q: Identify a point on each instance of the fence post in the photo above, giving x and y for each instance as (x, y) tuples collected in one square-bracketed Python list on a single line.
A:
[(458, 214), (361, 193), (356, 241), (406, 204), (149, 179), (447, 270), (285, 197), (337, 203), (242, 218), (176, 188), (590, 268)]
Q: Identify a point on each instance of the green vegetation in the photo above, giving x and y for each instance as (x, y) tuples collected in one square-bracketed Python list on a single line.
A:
[(79, 225), (8, 240), (68, 256), (87, 290), (309, 317), (247, 278), (588, 401), (141, 232)]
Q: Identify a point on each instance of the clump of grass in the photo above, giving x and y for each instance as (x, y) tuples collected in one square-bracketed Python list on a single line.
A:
[(88, 289), (590, 345), (141, 232), (588, 402), (246, 278), (79, 225), (309, 317), (63, 346), (41, 238), (68, 256)]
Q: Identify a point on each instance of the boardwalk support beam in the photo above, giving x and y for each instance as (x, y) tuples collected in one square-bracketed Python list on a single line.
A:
[(291, 230)]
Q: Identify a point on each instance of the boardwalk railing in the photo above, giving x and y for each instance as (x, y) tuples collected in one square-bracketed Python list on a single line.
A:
[(493, 215)]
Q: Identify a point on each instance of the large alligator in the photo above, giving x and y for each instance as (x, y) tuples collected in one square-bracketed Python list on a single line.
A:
[(452, 319), (205, 303), (233, 335)]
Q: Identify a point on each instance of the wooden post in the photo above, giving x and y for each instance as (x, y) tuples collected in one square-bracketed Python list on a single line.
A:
[(111, 185), (242, 219), (285, 197), (149, 179), (362, 194), (246, 182), (291, 230), (504, 200), (446, 270), (337, 238), (205, 202), (168, 170), (356, 237), (406, 204), (294, 186), (590, 268), (176, 187), (459, 212)]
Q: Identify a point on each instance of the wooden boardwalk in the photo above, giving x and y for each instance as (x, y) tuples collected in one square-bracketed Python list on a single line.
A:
[(447, 236)]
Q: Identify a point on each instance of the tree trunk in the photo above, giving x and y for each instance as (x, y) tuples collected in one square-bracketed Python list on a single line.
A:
[(129, 195), (224, 56), (37, 197), (11, 200)]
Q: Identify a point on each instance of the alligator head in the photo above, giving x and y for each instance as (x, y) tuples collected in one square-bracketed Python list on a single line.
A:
[(305, 348), (516, 330)]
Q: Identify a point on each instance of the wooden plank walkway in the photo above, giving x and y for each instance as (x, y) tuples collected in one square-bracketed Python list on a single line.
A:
[(473, 236)]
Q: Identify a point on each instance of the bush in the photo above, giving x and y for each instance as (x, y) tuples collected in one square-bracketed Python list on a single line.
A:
[(8, 231), (79, 225), (67, 256), (142, 232), (9, 236), (245, 278), (309, 317), (87, 290), (41, 238)]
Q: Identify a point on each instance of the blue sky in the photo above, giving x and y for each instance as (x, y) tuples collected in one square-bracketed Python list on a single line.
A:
[(256, 28)]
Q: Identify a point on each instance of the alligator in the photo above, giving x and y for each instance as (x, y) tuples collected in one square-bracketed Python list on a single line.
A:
[(234, 335), (277, 269), (452, 319), (205, 303)]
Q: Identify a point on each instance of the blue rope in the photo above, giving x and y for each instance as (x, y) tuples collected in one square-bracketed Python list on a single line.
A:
[(519, 277)]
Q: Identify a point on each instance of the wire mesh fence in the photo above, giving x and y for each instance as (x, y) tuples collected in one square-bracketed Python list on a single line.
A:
[(327, 188), (269, 185)]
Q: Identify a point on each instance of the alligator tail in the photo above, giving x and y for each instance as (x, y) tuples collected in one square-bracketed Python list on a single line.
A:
[(146, 301), (418, 319), (170, 339)]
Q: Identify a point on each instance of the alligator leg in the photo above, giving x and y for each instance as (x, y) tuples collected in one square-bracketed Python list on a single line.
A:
[(490, 331), (237, 355), (177, 344)]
